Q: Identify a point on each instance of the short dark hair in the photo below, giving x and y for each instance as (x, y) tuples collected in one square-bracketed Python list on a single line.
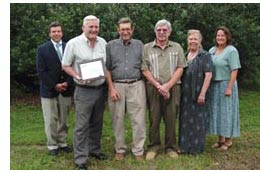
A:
[(125, 20), (227, 34), (54, 24)]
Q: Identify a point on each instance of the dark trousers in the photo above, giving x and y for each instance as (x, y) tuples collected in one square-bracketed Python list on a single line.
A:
[(89, 105), (159, 108)]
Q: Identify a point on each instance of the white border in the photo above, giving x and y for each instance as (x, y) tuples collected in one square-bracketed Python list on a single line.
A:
[(5, 77), (5, 86)]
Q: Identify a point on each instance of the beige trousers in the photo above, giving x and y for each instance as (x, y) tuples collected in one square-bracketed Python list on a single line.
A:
[(55, 112), (132, 101)]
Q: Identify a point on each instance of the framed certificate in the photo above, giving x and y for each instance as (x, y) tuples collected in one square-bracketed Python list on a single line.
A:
[(92, 69)]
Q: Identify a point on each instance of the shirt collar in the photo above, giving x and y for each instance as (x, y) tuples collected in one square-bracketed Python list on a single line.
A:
[(167, 45), (54, 43), (199, 52), (86, 39), (122, 42)]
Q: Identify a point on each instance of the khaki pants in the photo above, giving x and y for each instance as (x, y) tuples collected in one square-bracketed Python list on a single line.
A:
[(167, 109), (55, 112), (133, 101)]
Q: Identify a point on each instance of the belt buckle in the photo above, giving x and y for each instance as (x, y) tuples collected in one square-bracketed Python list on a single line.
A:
[(132, 81), (129, 81)]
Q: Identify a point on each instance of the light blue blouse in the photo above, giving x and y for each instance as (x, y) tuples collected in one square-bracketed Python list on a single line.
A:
[(224, 62)]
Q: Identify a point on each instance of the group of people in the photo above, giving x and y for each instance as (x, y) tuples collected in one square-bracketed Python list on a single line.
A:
[(198, 87)]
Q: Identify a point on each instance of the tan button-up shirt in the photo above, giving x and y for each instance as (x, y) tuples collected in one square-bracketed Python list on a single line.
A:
[(163, 62)]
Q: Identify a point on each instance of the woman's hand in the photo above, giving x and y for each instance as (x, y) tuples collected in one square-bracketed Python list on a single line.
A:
[(228, 92), (201, 99)]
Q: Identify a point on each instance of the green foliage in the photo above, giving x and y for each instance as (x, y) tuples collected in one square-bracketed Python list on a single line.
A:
[(28, 144), (29, 24)]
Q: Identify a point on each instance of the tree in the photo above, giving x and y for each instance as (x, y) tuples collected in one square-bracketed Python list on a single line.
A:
[(29, 22)]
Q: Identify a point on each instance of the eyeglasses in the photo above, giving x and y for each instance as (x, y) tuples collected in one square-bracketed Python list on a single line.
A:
[(161, 30)]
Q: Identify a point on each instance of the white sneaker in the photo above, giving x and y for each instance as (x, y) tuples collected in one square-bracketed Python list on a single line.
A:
[(151, 155), (172, 154)]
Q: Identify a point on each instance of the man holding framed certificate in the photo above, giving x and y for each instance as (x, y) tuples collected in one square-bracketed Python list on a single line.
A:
[(126, 89), (84, 59)]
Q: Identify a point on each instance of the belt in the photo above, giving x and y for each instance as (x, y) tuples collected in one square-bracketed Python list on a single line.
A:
[(127, 81), (90, 87)]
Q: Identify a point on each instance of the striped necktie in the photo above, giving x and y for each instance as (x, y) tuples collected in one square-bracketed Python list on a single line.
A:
[(58, 51)]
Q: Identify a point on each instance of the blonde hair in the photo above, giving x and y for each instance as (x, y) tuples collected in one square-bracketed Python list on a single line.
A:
[(195, 31)]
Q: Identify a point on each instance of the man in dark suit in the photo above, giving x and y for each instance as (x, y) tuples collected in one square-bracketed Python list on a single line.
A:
[(56, 89)]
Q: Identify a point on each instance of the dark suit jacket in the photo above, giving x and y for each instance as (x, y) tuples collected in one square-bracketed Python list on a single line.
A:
[(50, 71)]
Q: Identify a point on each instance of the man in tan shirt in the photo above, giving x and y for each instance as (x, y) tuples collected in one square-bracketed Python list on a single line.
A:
[(162, 65)]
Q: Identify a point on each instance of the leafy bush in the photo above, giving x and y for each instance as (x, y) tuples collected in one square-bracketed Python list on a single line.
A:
[(29, 24)]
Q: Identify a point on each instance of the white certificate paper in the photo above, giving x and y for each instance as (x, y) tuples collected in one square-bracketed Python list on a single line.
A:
[(92, 70)]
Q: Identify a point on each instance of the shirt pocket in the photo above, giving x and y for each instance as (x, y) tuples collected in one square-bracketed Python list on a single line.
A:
[(100, 54)]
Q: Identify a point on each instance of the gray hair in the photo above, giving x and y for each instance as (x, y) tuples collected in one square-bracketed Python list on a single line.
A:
[(90, 17), (162, 23)]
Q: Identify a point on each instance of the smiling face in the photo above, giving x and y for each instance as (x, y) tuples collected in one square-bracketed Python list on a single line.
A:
[(162, 33), (194, 41), (125, 31), (221, 38), (91, 29), (56, 33)]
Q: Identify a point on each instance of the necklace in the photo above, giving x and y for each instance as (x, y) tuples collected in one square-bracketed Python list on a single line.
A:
[(192, 55)]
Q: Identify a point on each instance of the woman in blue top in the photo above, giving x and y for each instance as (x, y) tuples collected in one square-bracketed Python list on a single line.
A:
[(224, 101)]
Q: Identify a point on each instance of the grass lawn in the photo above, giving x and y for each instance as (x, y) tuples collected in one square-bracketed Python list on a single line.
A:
[(29, 152)]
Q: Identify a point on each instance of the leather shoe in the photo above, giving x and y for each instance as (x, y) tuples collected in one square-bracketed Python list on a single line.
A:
[(53, 152), (66, 149), (119, 156), (82, 167), (139, 158), (99, 156)]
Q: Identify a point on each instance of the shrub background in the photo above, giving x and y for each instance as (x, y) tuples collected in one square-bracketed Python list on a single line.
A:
[(29, 28)]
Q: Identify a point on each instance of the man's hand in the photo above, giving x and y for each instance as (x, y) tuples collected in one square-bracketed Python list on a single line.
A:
[(81, 81), (65, 84), (114, 94), (61, 87), (164, 91)]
